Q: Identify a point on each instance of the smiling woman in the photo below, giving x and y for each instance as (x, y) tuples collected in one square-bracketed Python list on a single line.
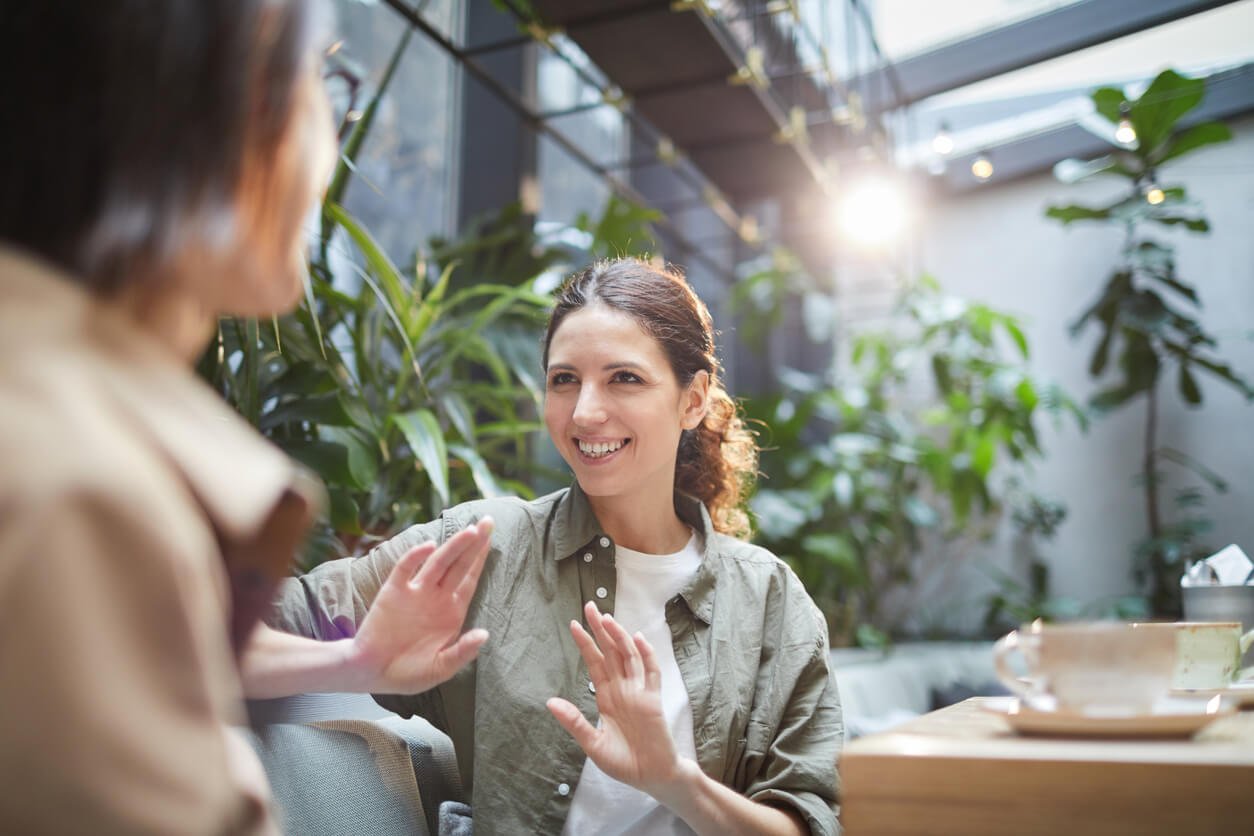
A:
[(715, 708)]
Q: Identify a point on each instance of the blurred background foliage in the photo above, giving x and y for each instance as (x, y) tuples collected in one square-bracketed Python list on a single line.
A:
[(913, 438)]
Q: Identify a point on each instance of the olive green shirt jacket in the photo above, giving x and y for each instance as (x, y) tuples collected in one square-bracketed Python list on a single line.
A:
[(750, 645)]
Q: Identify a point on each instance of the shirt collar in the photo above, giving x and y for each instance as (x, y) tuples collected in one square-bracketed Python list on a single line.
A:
[(237, 477), (576, 525)]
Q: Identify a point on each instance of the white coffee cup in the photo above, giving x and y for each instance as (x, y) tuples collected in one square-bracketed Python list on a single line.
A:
[(1208, 653), (1105, 668)]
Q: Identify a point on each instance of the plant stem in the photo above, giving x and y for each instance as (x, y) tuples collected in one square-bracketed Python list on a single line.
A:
[(1148, 456)]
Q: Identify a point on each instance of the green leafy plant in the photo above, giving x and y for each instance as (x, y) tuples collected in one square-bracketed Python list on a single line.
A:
[(859, 470), (1147, 315), (403, 394)]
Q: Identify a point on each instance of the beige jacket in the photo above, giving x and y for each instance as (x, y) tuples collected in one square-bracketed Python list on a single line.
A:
[(135, 508)]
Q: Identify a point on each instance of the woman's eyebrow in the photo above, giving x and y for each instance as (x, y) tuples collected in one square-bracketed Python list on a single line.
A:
[(608, 367)]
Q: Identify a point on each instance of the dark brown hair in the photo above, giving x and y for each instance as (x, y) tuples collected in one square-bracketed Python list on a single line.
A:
[(718, 459), (131, 121)]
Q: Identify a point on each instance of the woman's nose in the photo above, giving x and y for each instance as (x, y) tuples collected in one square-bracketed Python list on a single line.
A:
[(590, 407)]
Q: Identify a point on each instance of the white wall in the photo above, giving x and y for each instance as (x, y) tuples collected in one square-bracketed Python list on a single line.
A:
[(996, 246)]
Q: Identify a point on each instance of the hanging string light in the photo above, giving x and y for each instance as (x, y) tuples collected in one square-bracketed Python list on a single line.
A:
[(982, 166), (1124, 132), (1154, 195), (943, 143)]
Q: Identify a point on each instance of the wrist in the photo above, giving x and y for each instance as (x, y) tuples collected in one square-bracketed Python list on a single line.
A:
[(676, 789), (357, 672)]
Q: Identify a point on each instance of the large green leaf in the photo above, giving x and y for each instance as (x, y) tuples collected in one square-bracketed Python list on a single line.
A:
[(1188, 386), (479, 470), (1073, 213), (1190, 139), (1168, 98), (425, 438), (1107, 101)]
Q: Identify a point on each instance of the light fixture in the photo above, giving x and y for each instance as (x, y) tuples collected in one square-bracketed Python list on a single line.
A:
[(982, 166), (1154, 195), (1124, 132), (873, 212), (943, 143)]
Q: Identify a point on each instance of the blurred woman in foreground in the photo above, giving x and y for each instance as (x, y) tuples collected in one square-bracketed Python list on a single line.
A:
[(161, 157)]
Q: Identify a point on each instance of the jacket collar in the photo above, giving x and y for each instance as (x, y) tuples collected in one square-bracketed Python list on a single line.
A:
[(576, 525), (234, 474)]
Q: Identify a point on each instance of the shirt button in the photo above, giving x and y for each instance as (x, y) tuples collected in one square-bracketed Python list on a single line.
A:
[(592, 687), (587, 558), (605, 542), (602, 592), (563, 789)]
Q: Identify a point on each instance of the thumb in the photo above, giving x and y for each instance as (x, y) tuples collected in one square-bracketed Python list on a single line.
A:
[(461, 653), (574, 722)]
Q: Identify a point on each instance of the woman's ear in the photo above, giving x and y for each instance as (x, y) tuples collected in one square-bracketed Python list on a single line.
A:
[(696, 401)]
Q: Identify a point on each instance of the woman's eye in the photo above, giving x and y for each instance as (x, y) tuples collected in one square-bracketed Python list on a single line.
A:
[(561, 378), (626, 377)]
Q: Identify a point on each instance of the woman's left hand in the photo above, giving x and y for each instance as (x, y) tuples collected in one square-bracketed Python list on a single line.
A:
[(633, 743)]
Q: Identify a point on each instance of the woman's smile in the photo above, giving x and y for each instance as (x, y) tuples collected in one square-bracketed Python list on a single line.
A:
[(600, 452)]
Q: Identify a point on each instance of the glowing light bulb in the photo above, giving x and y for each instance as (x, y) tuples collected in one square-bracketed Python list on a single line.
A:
[(982, 167), (1124, 132), (873, 212), (943, 143)]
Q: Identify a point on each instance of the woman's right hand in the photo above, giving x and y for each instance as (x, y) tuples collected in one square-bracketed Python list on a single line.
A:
[(411, 638), (633, 743)]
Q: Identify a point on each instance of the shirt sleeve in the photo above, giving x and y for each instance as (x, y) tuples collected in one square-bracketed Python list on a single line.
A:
[(116, 675), (329, 602), (797, 767)]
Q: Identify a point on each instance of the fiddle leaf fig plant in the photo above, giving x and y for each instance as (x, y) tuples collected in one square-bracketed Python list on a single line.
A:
[(1150, 337)]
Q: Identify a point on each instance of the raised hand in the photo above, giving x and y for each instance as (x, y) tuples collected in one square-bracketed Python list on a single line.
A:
[(411, 639), (633, 743)]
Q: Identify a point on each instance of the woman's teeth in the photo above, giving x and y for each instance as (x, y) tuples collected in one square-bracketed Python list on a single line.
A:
[(600, 449)]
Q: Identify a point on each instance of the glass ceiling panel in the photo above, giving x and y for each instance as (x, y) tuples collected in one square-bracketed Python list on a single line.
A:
[(908, 27), (1056, 92), (1196, 45)]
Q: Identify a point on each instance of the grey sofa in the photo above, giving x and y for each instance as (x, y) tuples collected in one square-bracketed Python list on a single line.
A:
[(338, 764)]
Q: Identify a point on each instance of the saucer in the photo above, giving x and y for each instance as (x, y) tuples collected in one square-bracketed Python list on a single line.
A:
[(1238, 693), (1176, 718)]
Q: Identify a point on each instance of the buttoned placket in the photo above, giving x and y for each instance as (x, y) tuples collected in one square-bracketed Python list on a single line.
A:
[(597, 584)]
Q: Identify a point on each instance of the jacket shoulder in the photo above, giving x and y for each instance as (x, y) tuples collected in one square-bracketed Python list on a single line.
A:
[(510, 513)]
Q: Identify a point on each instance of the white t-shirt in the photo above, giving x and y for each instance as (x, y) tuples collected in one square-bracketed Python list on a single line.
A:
[(645, 582)]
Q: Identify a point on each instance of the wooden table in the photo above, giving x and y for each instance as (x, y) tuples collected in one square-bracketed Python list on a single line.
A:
[(963, 770)]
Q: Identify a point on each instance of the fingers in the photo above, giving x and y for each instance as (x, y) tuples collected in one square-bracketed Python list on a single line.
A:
[(464, 543), (461, 653), (625, 646), (588, 649), (574, 722), (409, 564), (652, 670), (614, 662)]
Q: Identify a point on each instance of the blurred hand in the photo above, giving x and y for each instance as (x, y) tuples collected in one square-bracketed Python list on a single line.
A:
[(633, 743), (411, 639)]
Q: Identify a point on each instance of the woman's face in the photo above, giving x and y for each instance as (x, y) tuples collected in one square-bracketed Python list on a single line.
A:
[(614, 408)]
